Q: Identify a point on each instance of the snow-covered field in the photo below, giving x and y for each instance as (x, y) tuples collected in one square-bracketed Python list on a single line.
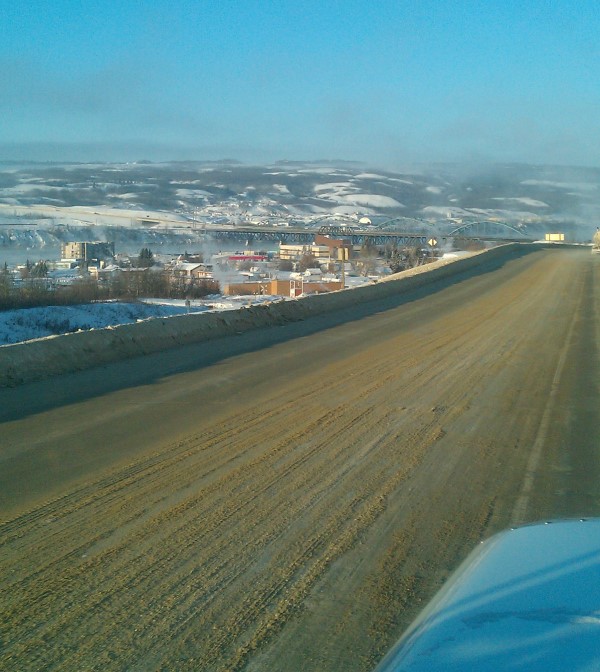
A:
[(525, 201), (29, 323), (371, 200)]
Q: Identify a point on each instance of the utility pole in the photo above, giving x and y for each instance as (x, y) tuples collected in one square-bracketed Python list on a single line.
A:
[(343, 255)]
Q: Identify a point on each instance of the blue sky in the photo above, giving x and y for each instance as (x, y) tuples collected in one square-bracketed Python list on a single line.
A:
[(387, 82)]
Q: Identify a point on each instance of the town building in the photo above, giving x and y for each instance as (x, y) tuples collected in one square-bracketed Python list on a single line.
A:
[(87, 251), (323, 248), (190, 270), (288, 287)]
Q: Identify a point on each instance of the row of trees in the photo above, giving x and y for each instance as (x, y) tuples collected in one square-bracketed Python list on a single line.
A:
[(31, 270), (35, 290), (401, 258)]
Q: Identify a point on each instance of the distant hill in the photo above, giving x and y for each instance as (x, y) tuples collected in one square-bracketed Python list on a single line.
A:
[(516, 193)]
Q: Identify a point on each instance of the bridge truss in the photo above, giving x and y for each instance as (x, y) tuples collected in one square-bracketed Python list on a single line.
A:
[(488, 229)]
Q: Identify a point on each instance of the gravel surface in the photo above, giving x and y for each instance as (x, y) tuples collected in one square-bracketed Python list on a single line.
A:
[(289, 499)]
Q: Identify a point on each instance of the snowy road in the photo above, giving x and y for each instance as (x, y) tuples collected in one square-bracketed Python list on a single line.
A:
[(287, 500)]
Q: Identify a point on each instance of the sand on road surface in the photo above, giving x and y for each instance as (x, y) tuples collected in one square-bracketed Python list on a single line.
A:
[(292, 503)]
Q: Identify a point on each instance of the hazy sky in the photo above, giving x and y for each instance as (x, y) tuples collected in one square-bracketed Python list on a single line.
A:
[(382, 81)]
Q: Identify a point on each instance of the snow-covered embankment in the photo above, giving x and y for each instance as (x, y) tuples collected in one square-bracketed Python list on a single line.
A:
[(41, 358)]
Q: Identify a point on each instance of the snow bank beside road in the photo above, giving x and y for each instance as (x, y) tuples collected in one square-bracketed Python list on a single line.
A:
[(33, 360), (17, 326), (29, 323)]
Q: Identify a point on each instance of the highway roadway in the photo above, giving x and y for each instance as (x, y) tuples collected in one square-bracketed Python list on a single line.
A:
[(289, 499)]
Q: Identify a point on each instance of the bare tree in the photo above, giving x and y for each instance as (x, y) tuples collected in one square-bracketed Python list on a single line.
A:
[(307, 261)]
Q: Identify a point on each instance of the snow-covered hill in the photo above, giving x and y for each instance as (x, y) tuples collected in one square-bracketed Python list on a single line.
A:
[(174, 206)]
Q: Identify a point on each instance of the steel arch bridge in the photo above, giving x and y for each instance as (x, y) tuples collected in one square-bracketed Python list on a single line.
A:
[(344, 220), (410, 223), (358, 237), (487, 228)]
